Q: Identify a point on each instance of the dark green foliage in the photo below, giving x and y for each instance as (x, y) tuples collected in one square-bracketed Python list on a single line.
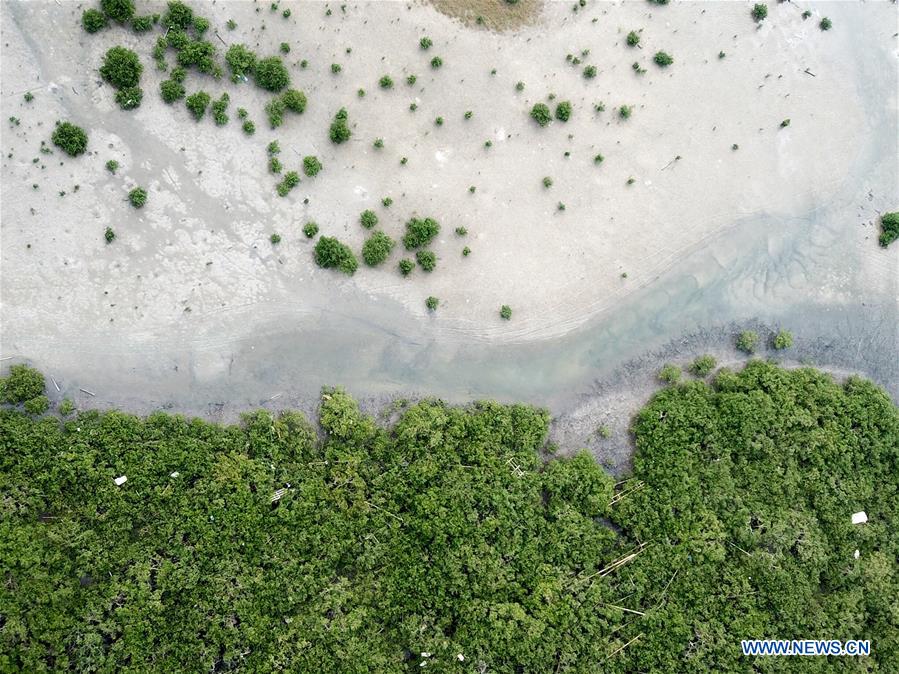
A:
[(662, 59), (241, 61), (505, 312), (274, 165), (93, 20), (633, 38), (109, 235), (432, 303), (368, 219), (466, 251), (426, 260), (199, 53), (201, 25), (137, 197), (270, 74), (563, 111), (625, 111), (598, 159), (747, 341), (703, 365), (332, 254), (22, 384), (197, 104), (889, 228), (540, 113), (291, 180), (783, 340), (826, 24), (178, 15), (406, 266), (66, 407), (547, 182), (275, 239), (310, 229), (275, 109), (311, 166), (129, 98), (249, 127), (759, 11), (121, 68), (37, 405), (171, 91), (386, 82), (178, 75), (112, 166), (142, 24), (377, 248), (425, 42), (670, 373), (118, 10), (411, 79), (448, 534), (420, 232), (340, 130), (219, 108), (69, 138), (436, 62), (294, 100), (590, 72)]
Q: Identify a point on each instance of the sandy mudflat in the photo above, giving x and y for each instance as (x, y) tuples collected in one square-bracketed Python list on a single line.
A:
[(195, 303)]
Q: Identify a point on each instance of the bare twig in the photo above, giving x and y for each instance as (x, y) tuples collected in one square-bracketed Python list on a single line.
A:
[(618, 650), (84, 390)]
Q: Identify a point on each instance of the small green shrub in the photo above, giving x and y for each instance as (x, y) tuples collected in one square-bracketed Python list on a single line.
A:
[(137, 197), (275, 109), (249, 127), (340, 130), (386, 82), (37, 405), (505, 312), (284, 48), (625, 111), (420, 232), (178, 75), (142, 24), (598, 159), (112, 166), (426, 260), (275, 239), (270, 74), (702, 365), (378, 144), (590, 72), (411, 79), (519, 86), (66, 407), (121, 68), (826, 24), (425, 42), (759, 12), (274, 165), (291, 179), (431, 303), (93, 20), (436, 62), (197, 104), (633, 38), (129, 98), (438, 121), (377, 248), (23, 383), (563, 111), (332, 254), (336, 68), (461, 231), (547, 182), (889, 228), (368, 219), (118, 10), (747, 341), (783, 340), (69, 138), (540, 113), (406, 266), (662, 59), (109, 235), (241, 60), (310, 229), (178, 15), (218, 110), (670, 373), (311, 166), (171, 91), (201, 25), (294, 100), (466, 251)]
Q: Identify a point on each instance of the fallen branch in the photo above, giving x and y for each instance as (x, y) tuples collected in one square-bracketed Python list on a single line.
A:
[(618, 650)]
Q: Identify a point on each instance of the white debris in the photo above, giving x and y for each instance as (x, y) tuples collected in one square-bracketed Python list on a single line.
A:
[(119, 481), (460, 658), (856, 554), (425, 654), (859, 518), (175, 474)]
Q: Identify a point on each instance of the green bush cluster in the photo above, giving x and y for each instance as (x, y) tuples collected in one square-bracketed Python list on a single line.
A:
[(663, 59), (426, 259), (122, 69), (406, 266), (93, 20), (171, 91), (563, 111), (377, 248), (703, 365), (889, 228), (670, 373), (505, 312), (340, 130), (759, 12), (197, 104), (311, 166), (21, 385), (268, 546), (137, 197), (69, 138), (219, 107), (332, 254), (783, 339), (291, 179), (129, 98), (310, 229), (241, 61), (540, 113), (118, 10), (368, 219), (270, 74), (747, 341), (420, 232)]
